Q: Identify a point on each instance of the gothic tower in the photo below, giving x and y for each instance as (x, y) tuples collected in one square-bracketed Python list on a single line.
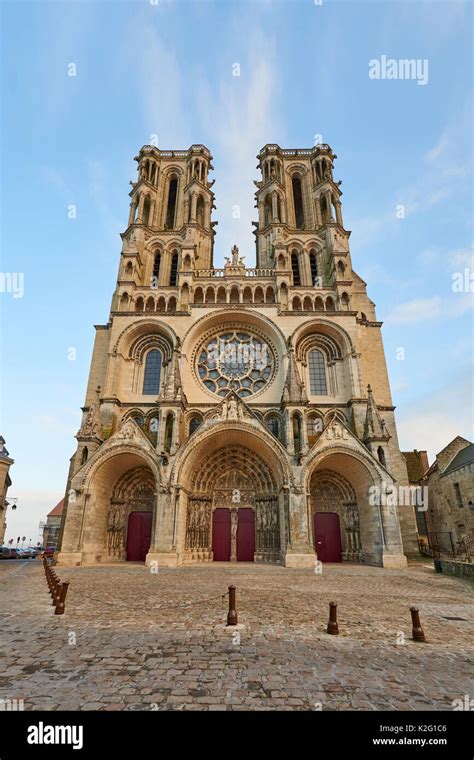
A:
[(237, 413)]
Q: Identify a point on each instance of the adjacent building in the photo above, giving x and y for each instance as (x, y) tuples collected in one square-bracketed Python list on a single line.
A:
[(5, 483), (237, 413), (450, 513)]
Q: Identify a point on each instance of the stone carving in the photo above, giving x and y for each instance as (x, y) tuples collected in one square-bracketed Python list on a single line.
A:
[(92, 427), (336, 431), (235, 256)]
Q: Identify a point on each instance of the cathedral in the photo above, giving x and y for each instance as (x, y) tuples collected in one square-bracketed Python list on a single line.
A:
[(237, 414)]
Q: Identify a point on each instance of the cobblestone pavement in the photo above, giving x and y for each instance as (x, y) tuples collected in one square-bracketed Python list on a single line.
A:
[(133, 640)]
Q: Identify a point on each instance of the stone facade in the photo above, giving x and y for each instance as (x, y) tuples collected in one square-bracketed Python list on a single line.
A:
[(450, 513), (5, 483), (259, 390)]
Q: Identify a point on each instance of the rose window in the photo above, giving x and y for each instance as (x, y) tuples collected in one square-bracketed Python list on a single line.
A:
[(235, 360)]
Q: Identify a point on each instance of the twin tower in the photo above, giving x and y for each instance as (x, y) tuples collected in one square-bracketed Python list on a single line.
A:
[(296, 198)]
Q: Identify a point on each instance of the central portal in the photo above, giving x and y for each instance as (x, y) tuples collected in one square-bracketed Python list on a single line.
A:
[(232, 512), (233, 535)]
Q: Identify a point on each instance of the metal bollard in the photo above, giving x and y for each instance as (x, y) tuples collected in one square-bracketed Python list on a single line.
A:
[(417, 632), (232, 614), (62, 599), (333, 627)]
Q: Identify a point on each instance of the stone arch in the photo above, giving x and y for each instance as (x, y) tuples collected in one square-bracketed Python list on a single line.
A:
[(210, 295), (247, 295), (103, 488), (217, 459), (234, 294), (270, 294), (378, 526)]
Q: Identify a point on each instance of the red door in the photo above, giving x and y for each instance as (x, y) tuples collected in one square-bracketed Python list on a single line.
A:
[(327, 533), (246, 535), (139, 535), (221, 535)]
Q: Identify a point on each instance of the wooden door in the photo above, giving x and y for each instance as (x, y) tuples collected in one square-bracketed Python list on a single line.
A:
[(327, 533), (246, 535), (221, 535), (139, 535)]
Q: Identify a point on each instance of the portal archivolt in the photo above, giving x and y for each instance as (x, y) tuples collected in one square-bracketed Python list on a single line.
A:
[(331, 492), (236, 479), (133, 492)]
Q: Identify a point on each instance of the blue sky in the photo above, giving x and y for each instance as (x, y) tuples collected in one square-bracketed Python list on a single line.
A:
[(167, 69)]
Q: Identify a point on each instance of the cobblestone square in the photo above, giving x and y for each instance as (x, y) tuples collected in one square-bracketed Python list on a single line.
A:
[(134, 640)]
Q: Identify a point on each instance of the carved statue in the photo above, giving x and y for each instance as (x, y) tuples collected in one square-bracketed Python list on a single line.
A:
[(233, 410), (234, 521), (235, 256)]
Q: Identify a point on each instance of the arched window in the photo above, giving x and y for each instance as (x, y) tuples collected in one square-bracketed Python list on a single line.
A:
[(325, 213), (151, 378), (200, 211), (171, 209), (298, 202), (381, 456), (150, 304), (330, 304), (174, 269), (295, 266), (270, 295), (146, 210), (139, 304), (169, 432), (156, 267), (297, 432), (313, 262), (274, 426), (85, 454), (268, 210), (124, 301), (194, 424), (317, 373), (129, 269)]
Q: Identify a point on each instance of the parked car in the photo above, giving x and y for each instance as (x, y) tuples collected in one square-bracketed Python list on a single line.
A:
[(26, 552), (8, 552)]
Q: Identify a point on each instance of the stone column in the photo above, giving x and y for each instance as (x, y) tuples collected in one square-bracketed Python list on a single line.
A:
[(299, 553), (338, 213), (274, 206), (319, 220), (162, 552), (193, 208)]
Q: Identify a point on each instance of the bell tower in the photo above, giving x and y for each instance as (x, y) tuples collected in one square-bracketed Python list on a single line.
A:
[(169, 223)]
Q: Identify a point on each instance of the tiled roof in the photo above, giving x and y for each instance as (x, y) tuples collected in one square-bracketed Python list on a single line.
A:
[(57, 510)]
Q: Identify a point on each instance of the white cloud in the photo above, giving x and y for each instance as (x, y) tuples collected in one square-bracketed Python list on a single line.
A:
[(432, 420), (418, 310)]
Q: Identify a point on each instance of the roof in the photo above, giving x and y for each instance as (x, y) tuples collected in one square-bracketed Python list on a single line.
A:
[(57, 510), (462, 458)]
